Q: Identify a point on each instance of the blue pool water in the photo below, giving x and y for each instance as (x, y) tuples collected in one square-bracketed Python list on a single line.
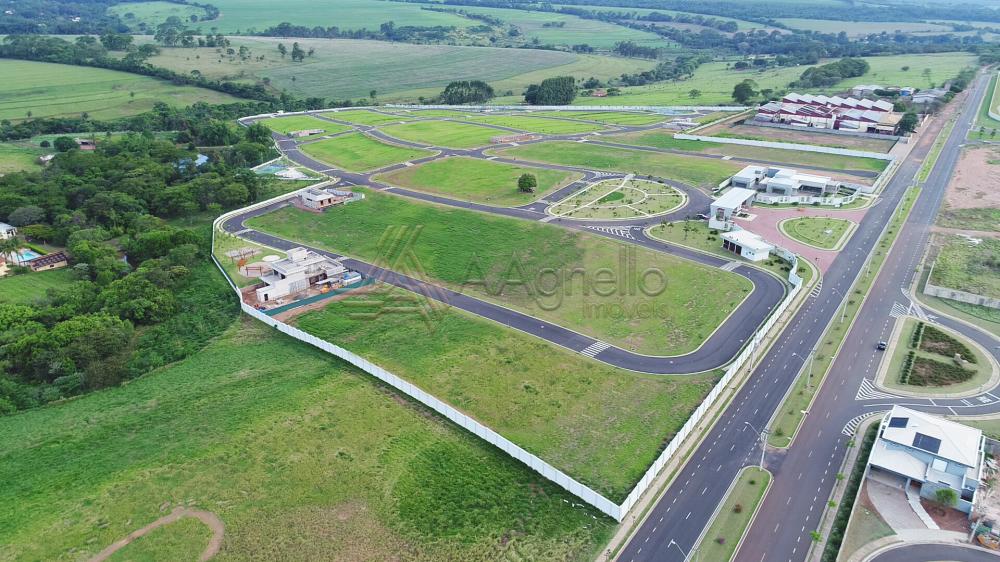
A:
[(26, 255), (270, 169)]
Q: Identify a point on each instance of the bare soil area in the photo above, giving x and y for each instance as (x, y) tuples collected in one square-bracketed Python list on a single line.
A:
[(210, 519), (976, 181)]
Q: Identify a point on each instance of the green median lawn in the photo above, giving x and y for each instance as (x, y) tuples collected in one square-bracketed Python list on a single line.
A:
[(737, 510), (821, 232), (300, 456), (443, 133), (285, 125), (555, 403), (693, 170), (357, 152), (539, 124), (478, 180), (536, 268), (25, 288)]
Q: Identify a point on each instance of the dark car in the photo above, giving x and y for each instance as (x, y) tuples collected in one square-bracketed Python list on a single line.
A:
[(881, 346)]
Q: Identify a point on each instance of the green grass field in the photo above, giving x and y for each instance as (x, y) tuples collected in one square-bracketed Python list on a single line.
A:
[(539, 124), (609, 117), (973, 268), (357, 152), (554, 403), (184, 539), (59, 90), (361, 66), (659, 139), (18, 157), (147, 15), (532, 267), (301, 457), (857, 28), (363, 116), (689, 169), (986, 127), (821, 232), (25, 288), (478, 180), (443, 133), (291, 123)]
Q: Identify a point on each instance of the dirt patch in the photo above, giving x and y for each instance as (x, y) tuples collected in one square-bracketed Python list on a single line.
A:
[(974, 183), (210, 519), (949, 519)]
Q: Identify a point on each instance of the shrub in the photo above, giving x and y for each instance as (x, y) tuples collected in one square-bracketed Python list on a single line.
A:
[(738, 508), (938, 342), (917, 333), (928, 372), (832, 548)]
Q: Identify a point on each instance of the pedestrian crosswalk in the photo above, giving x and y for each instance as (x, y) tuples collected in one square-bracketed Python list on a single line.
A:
[(899, 309), (852, 426), (730, 266), (620, 231), (595, 348), (814, 293), (867, 391)]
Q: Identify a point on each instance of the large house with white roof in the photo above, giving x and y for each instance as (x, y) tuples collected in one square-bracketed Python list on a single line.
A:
[(301, 270), (831, 112), (931, 452), (784, 181)]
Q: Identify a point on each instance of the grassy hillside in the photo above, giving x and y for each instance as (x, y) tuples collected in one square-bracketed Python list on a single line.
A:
[(301, 458), (147, 15), (53, 90)]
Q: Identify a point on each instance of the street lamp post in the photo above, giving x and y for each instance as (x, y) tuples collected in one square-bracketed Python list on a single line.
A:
[(809, 357), (763, 441), (687, 555), (843, 315)]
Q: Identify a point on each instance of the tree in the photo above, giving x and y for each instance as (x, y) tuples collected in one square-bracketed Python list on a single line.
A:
[(945, 497), (694, 93), (552, 91), (282, 49), (30, 214), (745, 91), (908, 122), (466, 91), (64, 144), (527, 183), (297, 53), (372, 94)]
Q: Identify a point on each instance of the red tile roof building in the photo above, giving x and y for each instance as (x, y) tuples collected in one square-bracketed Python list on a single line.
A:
[(831, 112)]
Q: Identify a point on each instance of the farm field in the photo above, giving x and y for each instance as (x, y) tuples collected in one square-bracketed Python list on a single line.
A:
[(609, 117), (443, 133), (292, 123), (20, 156), (304, 456), (889, 70), (659, 139), (25, 288), (700, 172), (361, 66), (620, 199), (974, 268), (57, 90), (454, 240), (857, 28), (822, 232), (477, 180), (147, 15), (542, 125), (743, 25), (554, 403), (356, 152)]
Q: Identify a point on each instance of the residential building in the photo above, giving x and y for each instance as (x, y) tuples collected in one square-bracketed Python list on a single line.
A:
[(7, 231), (831, 112), (746, 244), (301, 270), (86, 144), (930, 452), (783, 181), (55, 260), (320, 198), (306, 133), (723, 210)]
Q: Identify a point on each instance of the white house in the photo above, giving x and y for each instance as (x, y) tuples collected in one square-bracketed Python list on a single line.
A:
[(305, 133), (746, 244), (723, 209), (784, 181), (7, 231), (931, 452), (319, 198), (300, 270)]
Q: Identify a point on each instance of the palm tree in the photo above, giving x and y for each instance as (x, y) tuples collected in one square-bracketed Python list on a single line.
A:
[(9, 247)]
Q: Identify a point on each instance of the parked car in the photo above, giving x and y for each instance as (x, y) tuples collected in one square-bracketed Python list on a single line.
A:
[(702, 216), (881, 346)]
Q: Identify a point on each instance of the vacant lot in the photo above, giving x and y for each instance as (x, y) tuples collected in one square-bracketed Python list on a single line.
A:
[(659, 139), (689, 169), (753, 132), (610, 117), (301, 457), (57, 90), (363, 116), (971, 201), (24, 289), (966, 266), (552, 402), (481, 181), (821, 232), (529, 266), (292, 123), (357, 152), (539, 124), (443, 133)]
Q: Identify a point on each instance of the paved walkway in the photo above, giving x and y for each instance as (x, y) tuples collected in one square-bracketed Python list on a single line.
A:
[(765, 223), (891, 503)]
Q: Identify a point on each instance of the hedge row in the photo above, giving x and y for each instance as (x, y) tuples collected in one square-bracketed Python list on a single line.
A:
[(904, 375), (836, 537), (917, 333)]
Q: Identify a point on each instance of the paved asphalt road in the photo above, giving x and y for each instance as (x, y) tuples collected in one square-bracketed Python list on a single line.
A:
[(804, 476), (936, 553)]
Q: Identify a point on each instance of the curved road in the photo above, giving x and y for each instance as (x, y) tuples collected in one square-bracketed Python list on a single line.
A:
[(935, 553)]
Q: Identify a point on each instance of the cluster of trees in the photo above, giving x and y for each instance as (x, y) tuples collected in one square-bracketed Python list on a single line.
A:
[(144, 292), (387, 31), (631, 49), (560, 90), (623, 17), (466, 91), (832, 73), (677, 69)]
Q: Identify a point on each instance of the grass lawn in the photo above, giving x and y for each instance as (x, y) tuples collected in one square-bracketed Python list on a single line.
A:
[(539, 124), (688, 169), (659, 139), (555, 403), (981, 369), (478, 180), (734, 516), (986, 127), (246, 15), (532, 267), (25, 288), (184, 539), (985, 219), (974, 268), (59, 90), (17, 157), (821, 232), (610, 117), (357, 152), (285, 125), (443, 133), (298, 455), (363, 116), (147, 15)]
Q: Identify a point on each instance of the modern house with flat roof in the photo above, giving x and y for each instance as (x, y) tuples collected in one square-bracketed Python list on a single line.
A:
[(7, 231), (746, 244), (784, 181), (730, 204), (930, 452), (301, 270), (320, 198)]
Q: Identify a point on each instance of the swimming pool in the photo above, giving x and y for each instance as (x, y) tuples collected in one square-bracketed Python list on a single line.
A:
[(270, 169), (27, 255)]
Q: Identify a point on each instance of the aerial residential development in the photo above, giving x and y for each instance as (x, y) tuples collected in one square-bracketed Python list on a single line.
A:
[(364, 280)]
